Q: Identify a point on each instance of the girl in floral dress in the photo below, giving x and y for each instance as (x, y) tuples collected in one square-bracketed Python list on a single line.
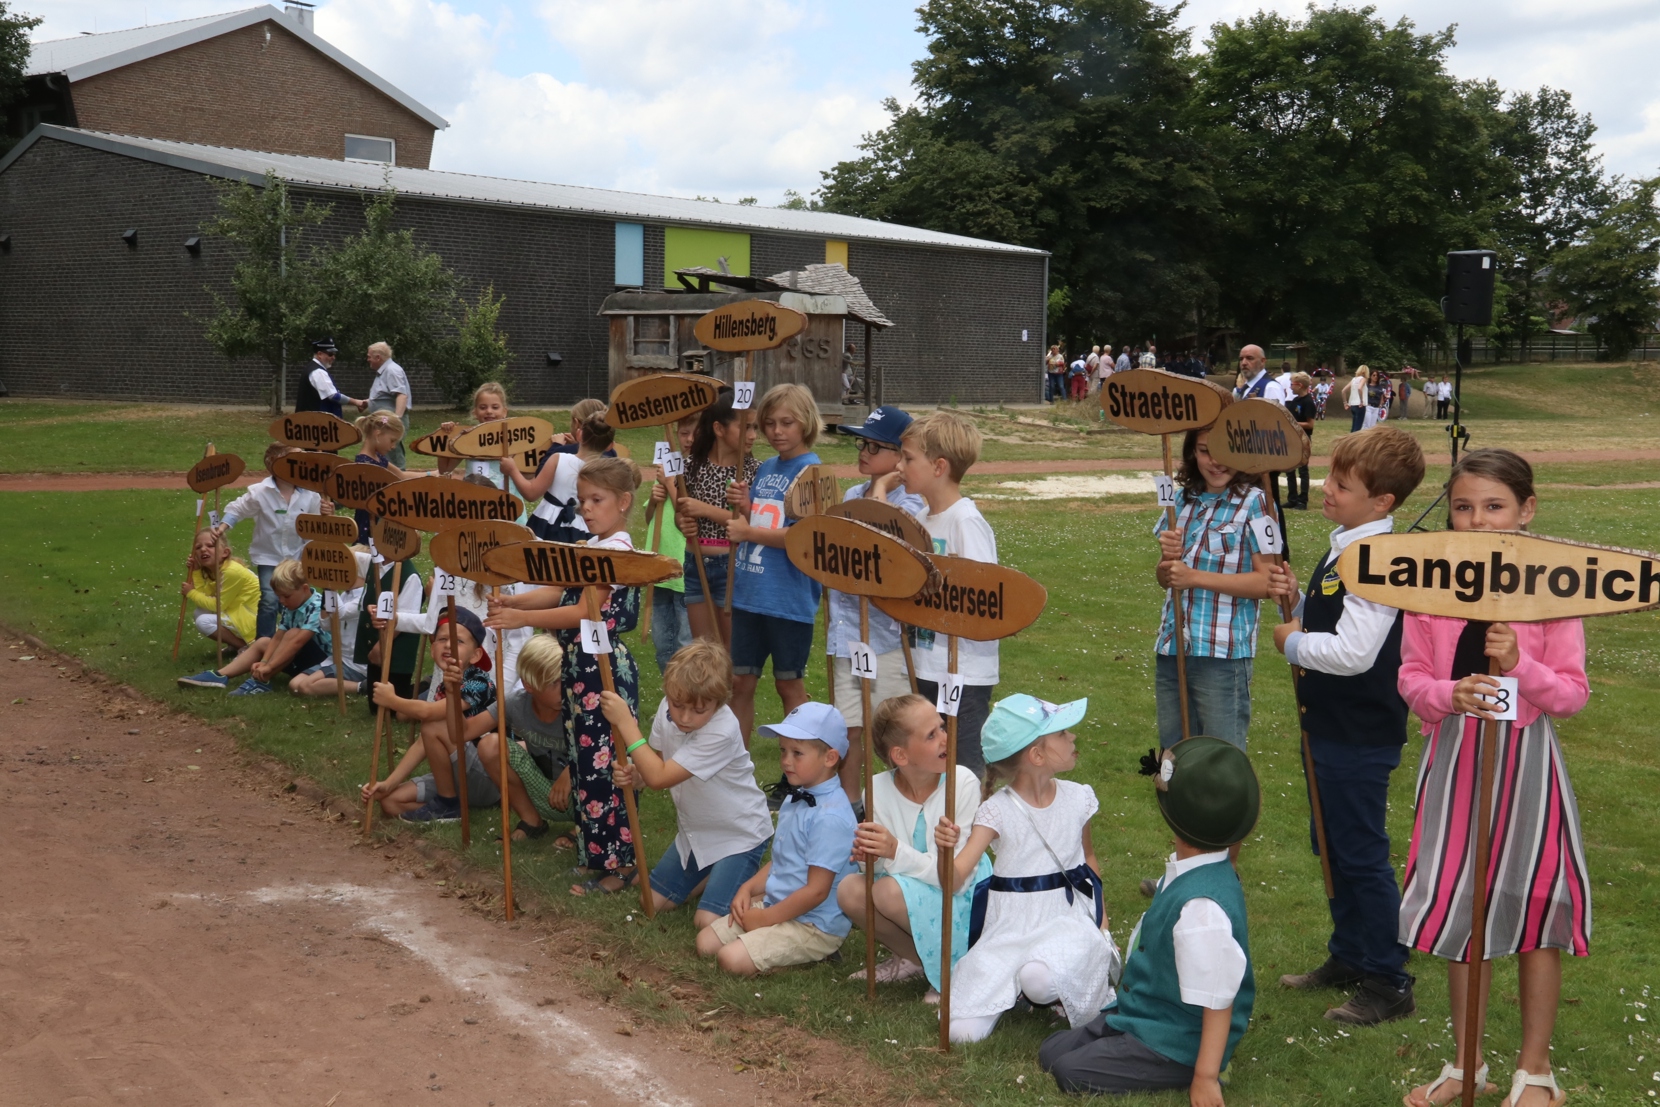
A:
[(605, 493)]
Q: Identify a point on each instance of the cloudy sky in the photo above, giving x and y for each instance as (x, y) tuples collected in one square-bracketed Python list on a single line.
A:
[(733, 98)]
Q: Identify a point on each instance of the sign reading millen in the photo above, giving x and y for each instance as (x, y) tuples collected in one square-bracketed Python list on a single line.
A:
[(437, 503), (749, 325), (1258, 436), (565, 565), (1155, 402), (660, 398)]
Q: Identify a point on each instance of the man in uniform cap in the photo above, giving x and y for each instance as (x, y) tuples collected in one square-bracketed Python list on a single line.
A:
[(317, 390), (1185, 998)]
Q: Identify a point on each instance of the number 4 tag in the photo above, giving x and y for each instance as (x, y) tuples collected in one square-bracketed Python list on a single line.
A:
[(1501, 701), (743, 395), (1267, 530), (864, 661), (950, 695), (595, 638)]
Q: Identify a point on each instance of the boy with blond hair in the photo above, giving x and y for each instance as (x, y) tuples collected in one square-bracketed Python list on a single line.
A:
[(298, 642), (935, 453), (1347, 653), (539, 754)]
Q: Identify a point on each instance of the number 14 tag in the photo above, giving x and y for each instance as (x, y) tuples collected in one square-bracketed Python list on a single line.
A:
[(1501, 701), (950, 694), (595, 638)]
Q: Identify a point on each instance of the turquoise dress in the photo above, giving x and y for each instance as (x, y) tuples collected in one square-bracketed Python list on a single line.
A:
[(922, 904)]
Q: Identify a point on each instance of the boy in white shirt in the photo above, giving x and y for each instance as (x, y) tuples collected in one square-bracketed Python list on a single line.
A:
[(273, 505), (936, 451)]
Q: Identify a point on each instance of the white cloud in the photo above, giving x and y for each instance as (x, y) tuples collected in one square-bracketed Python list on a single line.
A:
[(429, 49)]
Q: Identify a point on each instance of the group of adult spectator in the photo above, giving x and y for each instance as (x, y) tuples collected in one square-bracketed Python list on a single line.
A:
[(389, 391), (1078, 378)]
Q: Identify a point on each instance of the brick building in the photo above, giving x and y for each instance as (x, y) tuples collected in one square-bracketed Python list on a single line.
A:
[(256, 79)]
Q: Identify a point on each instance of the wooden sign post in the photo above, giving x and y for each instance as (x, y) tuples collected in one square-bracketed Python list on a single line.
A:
[(525, 439), (890, 520), (1153, 401), (307, 469), (1495, 576), (983, 602), (329, 565), (1260, 437), (314, 430), (212, 473), (858, 559), (388, 635)]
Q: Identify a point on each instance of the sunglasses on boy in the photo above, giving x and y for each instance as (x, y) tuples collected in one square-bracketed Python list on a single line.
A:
[(870, 445)]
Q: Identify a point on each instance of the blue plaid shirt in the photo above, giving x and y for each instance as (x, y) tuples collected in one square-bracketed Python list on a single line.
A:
[(1216, 538), (308, 616)]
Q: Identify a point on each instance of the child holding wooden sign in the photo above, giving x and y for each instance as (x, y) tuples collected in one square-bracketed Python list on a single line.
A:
[(605, 491), (489, 404), (298, 643), (719, 460), (381, 432), (238, 592), (366, 649), (1348, 652), (320, 679), (1539, 892), (936, 451), (539, 747), (558, 517), (273, 505)]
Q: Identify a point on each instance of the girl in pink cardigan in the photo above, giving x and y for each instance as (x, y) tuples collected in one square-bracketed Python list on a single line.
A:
[(1539, 895)]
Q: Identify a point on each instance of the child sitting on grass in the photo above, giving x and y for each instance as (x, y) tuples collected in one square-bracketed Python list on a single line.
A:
[(299, 642), (786, 913), (909, 735), (273, 505), (319, 679), (1186, 995), (539, 756), (238, 593), (697, 752)]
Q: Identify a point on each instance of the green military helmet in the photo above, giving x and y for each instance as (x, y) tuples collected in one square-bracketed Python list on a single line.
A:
[(1208, 792)]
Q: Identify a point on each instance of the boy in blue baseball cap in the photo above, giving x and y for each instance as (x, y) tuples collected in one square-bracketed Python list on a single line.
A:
[(786, 914)]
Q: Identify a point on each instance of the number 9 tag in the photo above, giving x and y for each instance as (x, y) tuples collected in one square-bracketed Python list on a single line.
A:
[(1267, 530), (743, 395), (864, 661), (950, 694), (595, 638), (1166, 488), (1501, 701)]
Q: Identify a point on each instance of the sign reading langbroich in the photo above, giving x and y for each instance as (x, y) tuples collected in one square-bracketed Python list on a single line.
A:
[(565, 565), (438, 503), (1258, 436), (1155, 402), (858, 559), (1499, 576), (314, 430), (660, 398), (749, 325), (977, 600), (461, 550)]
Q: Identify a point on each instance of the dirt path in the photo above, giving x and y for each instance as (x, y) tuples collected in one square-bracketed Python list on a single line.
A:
[(112, 482), (177, 930)]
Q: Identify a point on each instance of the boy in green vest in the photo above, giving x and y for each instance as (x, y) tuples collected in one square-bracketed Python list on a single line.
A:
[(1186, 994)]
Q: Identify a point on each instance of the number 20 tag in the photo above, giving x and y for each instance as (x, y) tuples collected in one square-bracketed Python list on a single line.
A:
[(595, 638), (864, 661), (950, 695), (1267, 530), (1166, 488), (743, 395), (1501, 701)]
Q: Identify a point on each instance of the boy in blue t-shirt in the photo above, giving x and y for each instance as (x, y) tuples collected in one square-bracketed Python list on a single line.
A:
[(299, 642), (787, 913), (774, 604)]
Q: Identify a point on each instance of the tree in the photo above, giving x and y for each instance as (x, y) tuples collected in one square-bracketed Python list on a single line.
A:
[(1353, 161), (14, 56), (476, 354), (1061, 126), (1609, 276)]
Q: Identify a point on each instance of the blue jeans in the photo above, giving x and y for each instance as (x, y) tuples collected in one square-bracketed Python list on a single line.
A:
[(1357, 419), (1218, 698), (1366, 900), (266, 620), (670, 628), (676, 882), (714, 566)]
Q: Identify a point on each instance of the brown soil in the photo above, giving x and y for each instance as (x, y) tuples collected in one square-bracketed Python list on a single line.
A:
[(182, 925)]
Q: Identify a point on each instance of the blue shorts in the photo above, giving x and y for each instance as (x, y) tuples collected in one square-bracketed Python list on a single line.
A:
[(715, 566), (1218, 698), (676, 882), (758, 637)]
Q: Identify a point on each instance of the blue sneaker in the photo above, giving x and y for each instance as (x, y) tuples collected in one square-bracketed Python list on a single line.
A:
[(205, 679), (251, 687), (438, 809)]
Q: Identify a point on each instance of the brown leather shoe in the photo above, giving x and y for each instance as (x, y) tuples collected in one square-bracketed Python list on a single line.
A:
[(1332, 974), (1375, 1001)]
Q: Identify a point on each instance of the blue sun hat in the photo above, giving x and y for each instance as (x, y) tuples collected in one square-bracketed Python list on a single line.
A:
[(885, 425), (1019, 720), (812, 722)]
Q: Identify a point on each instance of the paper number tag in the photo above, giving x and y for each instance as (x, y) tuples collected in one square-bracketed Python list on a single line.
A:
[(743, 395), (446, 585), (660, 453), (950, 695), (864, 661), (213, 518), (595, 639), (374, 554), (1166, 487), (386, 606), (674, 464), (1267, 530), (331, 602), (1502, 700)]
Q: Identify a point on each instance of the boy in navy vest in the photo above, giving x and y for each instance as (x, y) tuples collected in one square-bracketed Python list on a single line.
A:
[(1347, 654), (1186, 994)]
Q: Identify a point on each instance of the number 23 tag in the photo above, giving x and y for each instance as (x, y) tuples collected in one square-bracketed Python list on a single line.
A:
[(1501, 701), (1267, 530), (595, 638)]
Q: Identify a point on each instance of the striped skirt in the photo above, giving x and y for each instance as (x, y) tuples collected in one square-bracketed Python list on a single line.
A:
[(1538, 890)]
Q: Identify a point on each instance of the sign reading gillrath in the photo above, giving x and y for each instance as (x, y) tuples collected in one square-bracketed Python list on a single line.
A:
[(977, 600), (749, 325), (660, 398), (570, 566), (1258, 436), (329, 565), (438, 503), (857, 558), (314, 430), (1155, 402), (1499, 576), (461, 550), (214, 471)]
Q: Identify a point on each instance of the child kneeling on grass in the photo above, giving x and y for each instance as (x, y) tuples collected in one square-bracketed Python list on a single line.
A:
[(539, 755), (786, 914), (697, 752), (1185, 997), (319, 680), (238, 592), (908, 734), (298, 644)]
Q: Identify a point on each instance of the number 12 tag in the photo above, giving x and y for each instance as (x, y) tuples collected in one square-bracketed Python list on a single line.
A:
[(743, 395), (1501, 701), (950, 695), (595, 638), (1166, 487), (864, 661), (1267, 530)]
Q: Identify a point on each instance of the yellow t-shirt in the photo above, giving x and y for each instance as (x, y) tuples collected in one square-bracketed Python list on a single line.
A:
[(241, 595)]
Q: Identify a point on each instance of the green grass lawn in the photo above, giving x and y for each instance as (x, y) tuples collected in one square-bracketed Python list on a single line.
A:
[(95, 574)]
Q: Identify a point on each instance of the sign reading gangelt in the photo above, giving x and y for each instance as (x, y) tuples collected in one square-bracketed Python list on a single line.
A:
[(314, 430)]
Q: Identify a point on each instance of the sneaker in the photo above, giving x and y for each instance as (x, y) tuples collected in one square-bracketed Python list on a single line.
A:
[(207, 678), (1332, 974), (438, 809), (892, 971), (1149, 887), (931, 997), (1375, 1001), (251, 687)]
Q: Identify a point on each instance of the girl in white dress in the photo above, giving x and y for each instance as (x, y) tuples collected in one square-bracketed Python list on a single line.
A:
[(1045, 934)]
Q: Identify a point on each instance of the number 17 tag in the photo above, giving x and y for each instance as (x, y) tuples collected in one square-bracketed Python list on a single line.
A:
[(595, 638), (1267, 530), (950, 694), (1501, 701)]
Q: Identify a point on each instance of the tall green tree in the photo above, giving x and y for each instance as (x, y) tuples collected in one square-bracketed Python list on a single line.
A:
[(477, 353), (1609, 276), (14, 56), (1353, 161), (1061, 126)]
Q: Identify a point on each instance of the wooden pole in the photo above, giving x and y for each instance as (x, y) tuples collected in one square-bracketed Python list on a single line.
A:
[(656, 545), (415, 681), (830, 661), (339, 673), (948, 859), (184, 601), (678, 489), (619, 755), (910, 666), (1487, 742), (503, 736), (870, 803), (219, 595), (458, 732), (1316, 811), (387, 636), (1176, 609), (740, 371)]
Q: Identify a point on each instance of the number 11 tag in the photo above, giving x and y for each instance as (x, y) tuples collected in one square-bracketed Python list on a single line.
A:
[(1501, 701), (1166, 487), (864, 661), (1267, 530), (950, 695), (595, 638)]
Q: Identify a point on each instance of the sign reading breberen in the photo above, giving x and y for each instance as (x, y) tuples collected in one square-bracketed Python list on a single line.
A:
[(353, 483)]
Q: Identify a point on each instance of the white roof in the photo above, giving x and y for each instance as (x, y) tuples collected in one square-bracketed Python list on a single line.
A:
[(89, 55), (251, 165)]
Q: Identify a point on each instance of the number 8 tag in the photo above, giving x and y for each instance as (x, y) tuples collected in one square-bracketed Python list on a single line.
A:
[(950, 695), (1267, 530), (1501, 701), (864, 661), (595, 638)]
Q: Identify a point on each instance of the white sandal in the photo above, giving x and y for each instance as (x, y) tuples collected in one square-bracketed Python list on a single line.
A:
[(1523, 1080), (1450, 1073)]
